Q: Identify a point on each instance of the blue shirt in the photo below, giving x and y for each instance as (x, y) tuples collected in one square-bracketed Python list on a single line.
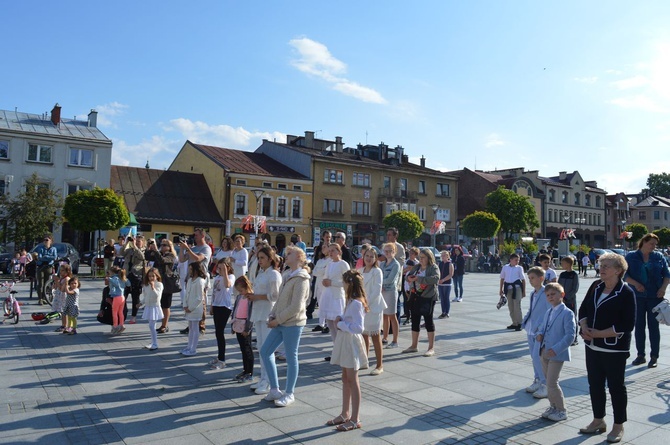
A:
[(45, 256), (649, 274)]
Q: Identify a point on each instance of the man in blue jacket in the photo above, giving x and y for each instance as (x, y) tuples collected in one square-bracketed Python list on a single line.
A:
[(46, 257)]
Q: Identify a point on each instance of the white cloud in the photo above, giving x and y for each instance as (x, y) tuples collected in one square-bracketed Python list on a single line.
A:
[(494, 140), (315, 59), (615, 72), (158, 150), (633, 82), (220, 135), (638, 102), (592, 79), (108, 112)]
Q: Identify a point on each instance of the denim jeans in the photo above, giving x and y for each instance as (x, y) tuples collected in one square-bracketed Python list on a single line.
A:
[(445, 293), (458, 286), (643, 318), (290, 335)]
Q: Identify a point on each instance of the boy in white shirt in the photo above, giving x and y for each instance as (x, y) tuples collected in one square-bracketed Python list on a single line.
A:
[(549, 273), (513, 286)]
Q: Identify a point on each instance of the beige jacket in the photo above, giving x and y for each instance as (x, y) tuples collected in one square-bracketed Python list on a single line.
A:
[(289, 310)]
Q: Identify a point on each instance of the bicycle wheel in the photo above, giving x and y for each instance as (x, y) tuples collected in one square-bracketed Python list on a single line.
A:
[(49, 292), (16, 317), (7, 307)]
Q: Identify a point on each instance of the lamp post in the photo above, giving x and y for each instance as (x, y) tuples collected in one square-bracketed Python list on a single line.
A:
[(434, 207), (623, 239), (258, 193)]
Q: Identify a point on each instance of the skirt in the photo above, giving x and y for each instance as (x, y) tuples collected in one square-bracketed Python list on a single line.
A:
[(152, 313), (71, 308), (349, 351), (332, 303), (58, 305), (372, 323), (391, 300)]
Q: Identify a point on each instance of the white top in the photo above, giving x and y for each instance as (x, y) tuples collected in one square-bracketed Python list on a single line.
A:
[(352, 319), (151, 297), (372, 283), (193, 299), (334, 273), (222, 254), (241, 258), (510, 273), (549, 275), (267, 282), (222, 296)]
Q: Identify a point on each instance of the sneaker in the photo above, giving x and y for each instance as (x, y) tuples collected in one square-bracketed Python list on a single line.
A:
[(255, 385), (218, 365), (59, 329), (72, 332), (455, 300), (262, 388), (151, 347), (541, 392), (246, 378), (460, 299), (639, 360), (317, 328), (121, 329), (188, 353), (132, 321), (549, 411), (326, 330), (384, 341), (213, 362), (376, 371), (280, 357), (239, 376), (534, 387), (184, 331), (392, 345), (442, 316), (558, 416), (274, 394), (65, 331), (285, 400)]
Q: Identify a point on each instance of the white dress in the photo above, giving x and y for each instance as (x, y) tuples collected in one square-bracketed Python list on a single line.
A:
[(372, 283), (349, 348), (152, 302), (332, 298)]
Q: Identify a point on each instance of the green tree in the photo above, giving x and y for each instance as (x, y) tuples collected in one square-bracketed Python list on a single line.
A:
[(638, 230), (659, 184), (32, 213), (97, 209), (408, 224), (516, 213), (480, 225), (663, 236)]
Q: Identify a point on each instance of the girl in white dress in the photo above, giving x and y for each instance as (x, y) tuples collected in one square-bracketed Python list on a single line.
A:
[(349, 351), (319, 273), (332, 298), (372, 326), (151, 293)]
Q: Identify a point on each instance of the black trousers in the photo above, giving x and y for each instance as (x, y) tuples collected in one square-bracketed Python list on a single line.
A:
[(312, 300), (422, 307), (135, 292), (221, 315), (247, 353), (607, 367)]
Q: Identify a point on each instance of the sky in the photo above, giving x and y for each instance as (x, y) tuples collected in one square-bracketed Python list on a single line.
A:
[(550, 86)]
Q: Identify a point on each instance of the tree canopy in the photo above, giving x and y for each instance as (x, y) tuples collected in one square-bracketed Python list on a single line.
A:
[(663, 236), (638, 230), (408, 224), (32, 213), (480, 225), (515, 212), (659, 184), (97, 209)]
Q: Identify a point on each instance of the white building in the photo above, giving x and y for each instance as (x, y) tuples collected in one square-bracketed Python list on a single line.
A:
[(66, 154)]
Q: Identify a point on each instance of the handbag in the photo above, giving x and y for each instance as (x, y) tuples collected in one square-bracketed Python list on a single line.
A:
[(171, 284), (239, 325)]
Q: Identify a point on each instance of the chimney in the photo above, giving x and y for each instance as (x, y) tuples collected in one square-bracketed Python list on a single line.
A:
[(55, 115), (309, 139), (404, 159), (93, 119), (338, 144), (562, 175), (423, 161)]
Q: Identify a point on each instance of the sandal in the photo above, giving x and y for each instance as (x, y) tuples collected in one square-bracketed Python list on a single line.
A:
[(348, 426), (339, 420), (162, 330)]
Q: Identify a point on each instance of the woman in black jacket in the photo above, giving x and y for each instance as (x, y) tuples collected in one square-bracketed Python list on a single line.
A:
[(606, 319)]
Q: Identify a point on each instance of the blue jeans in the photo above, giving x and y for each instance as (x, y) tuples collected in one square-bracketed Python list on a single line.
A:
[(445, 303), (643, 318), (290, 335), (458, 285)]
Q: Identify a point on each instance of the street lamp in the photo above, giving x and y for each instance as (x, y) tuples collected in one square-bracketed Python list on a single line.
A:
[(623, 228), (434, 228), (258, 194)]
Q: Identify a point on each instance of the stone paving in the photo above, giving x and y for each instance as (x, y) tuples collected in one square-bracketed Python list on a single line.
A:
[(95, 389)]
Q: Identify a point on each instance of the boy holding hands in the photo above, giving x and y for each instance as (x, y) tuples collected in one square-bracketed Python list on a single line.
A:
[(532, 323)]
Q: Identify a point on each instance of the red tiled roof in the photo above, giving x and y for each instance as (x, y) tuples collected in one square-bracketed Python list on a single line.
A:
[(166, 196)]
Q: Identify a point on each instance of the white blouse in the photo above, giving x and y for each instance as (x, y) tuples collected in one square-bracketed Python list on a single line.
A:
[(267, 282)]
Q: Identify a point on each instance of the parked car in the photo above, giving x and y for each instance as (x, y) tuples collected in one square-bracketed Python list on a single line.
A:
[(5, 261), (309, 253), (449, 248), (356, 251), (87, 257), (619, 251), (67, 250)]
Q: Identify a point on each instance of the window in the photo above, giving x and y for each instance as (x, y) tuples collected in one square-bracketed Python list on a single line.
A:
[(442, 189), (334, 176), (598, 198), (549, 215), (587, 200), (2, 187), (564, 197), (360, 208), (267, 185), (241, 182), (4, 149), (281, 186), (39, 153), (552, 195), (240, 204), (577, 199), (266, 206), (642, 215), (296, 205), (297, 188), (665, 216), (422, 213), (81, 157), (281, 207), (361, 179), (72, 188), (332, 206), (403, 186), (657, 214), (422, 187), (387, 182)]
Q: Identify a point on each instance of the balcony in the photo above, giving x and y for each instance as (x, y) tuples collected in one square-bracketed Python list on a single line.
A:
[(397, 193)]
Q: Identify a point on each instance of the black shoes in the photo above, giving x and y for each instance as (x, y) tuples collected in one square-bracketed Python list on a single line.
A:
[(317, 328), (516, 327), (184, 331), (652, 362), (639, 360), (326, 330)]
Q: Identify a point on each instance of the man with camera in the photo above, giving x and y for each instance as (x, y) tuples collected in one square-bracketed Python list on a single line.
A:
[(200, 252)]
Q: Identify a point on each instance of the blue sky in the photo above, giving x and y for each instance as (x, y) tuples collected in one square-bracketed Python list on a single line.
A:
[(553, 86)]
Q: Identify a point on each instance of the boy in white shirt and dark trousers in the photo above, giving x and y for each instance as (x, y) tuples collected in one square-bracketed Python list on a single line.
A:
[(555, 334), (513, 287), (549, 273), (532, 323)]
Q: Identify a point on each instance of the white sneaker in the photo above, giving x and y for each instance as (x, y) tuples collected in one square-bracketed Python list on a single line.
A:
[(548, 412), (534, 387), (541, 392), (558, 416), (188, 353), (262, 388), (285, 400), (392, 345), (273, 394)]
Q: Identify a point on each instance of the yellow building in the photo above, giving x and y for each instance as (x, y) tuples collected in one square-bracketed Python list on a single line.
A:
[(250, 187)]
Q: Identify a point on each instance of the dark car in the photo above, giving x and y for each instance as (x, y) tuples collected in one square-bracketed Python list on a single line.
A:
[(87, 257), (67, 250), (5, 261)]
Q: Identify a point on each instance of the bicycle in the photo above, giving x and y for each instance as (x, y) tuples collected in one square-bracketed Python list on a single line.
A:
[(49, 286), (12, 307)]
